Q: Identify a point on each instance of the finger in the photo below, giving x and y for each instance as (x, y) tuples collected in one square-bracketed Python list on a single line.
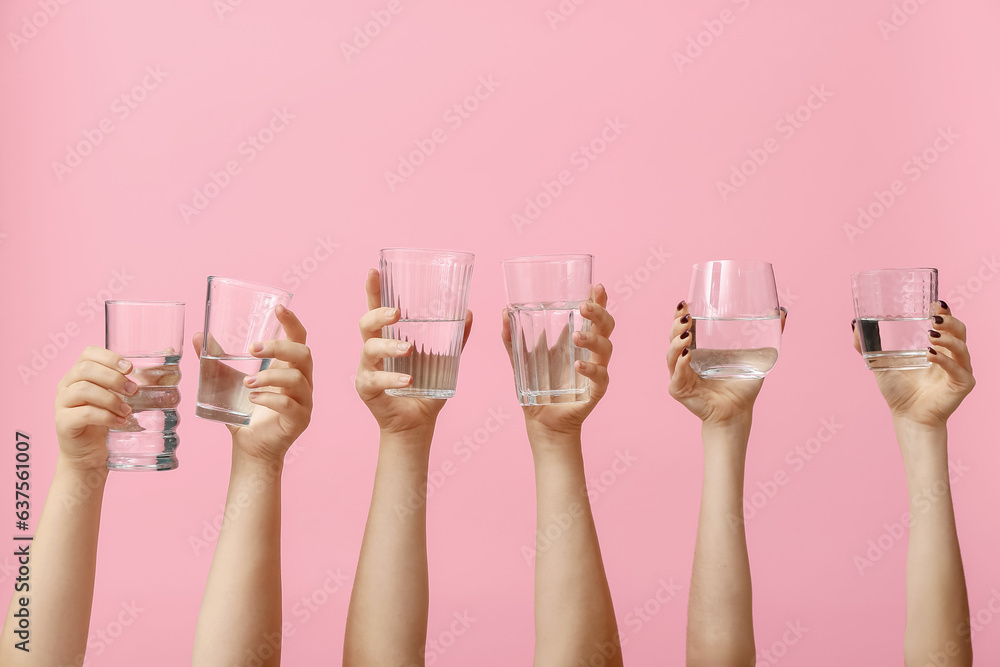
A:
[(372, 383), (600, 295), (373, 289), (372, 322), (600, 346), (468, 328), (84, 393), (955, 371), (89, 370), (682, 319), (375, 350), (79, 418), (295, 354), (214, 349), (857, 335), (949, 324), (293, 381), (505, 335), (280, 402), (105, 357), (294, 331), (955, 347), (603, 323), (676, 349), (598, 376), (784, 316)]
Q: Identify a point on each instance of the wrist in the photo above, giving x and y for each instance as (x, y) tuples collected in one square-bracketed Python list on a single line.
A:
[(735, 428), (265, 466), (83, 466), (547, 445)]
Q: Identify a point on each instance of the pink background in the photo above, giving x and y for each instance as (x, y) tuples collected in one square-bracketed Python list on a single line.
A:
[(653, 189)]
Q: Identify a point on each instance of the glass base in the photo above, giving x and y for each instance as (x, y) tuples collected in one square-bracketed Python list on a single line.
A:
[(732, 373), (907, 360), (554, 396), (421, 393), (142, 450), (220, 415), (142, 462)]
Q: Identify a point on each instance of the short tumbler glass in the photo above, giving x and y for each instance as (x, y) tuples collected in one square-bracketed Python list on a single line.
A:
[(893, 307)]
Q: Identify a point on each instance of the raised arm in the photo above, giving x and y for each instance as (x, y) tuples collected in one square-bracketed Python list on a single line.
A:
[(387, 618), (240, 618), (59, 589), (921, 401), (720, 604), (574, 614)]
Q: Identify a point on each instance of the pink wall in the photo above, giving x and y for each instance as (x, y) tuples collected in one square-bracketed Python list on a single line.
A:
[(114, 220)]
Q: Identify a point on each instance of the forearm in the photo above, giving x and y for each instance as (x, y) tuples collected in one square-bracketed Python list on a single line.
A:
[(241, 608), (720, 609), (574, 615), (61, 563), (387, 618), (937, 605)]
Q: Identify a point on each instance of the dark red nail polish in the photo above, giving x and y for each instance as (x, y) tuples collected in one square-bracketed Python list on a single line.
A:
[(685, 352), (944, 305), (934, 334), (932, 350), (685, 319), (938, 319), (853, 324), (680, 306), (685, 335)]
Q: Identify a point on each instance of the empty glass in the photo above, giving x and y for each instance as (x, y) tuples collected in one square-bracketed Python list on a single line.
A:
[(893, 307), (736, 327), (544, 294), (237, 314), (431, 290), (150, 334)]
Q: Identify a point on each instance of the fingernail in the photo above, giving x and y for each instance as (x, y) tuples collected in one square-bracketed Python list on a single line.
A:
[(249, 380), (932, 350), (402, 346), (685, 335), (121, 420), (391, 313), (685, 319), (257, 347), (124, 407), (685, 352), (934, 334), (680, 306), (279, 309), (944, 305), (854, 324), (404, 379), (784, 310), (938, 319), (130, 387), (124, 365)]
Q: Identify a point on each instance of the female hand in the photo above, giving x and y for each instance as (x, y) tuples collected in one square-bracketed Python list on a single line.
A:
[(282, 394), (567, 418), (394, 414), (928, 396), (712, 401), (88, 402)]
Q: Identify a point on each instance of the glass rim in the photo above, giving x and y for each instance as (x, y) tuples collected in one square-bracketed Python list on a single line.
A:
[(703, 266), (134, 302), (259, 287), (875, 272), (447, 253), (541, 259)]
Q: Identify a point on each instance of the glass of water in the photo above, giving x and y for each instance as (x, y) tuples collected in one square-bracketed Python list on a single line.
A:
[(544, 293), (237, 315), (150, 334), (893, 307), (736, 319), (431, 290)]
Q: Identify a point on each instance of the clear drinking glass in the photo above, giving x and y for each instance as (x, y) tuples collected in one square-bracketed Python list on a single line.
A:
[(237, 314), (431, 290), (736, 327), (893, 307), (544, 293), (150, 334)]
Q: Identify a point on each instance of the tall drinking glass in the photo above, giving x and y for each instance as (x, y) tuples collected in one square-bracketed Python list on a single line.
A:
[(736, 327), (431, 290), (237, 315), (544, 294), (150, 334), (893, 307)]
